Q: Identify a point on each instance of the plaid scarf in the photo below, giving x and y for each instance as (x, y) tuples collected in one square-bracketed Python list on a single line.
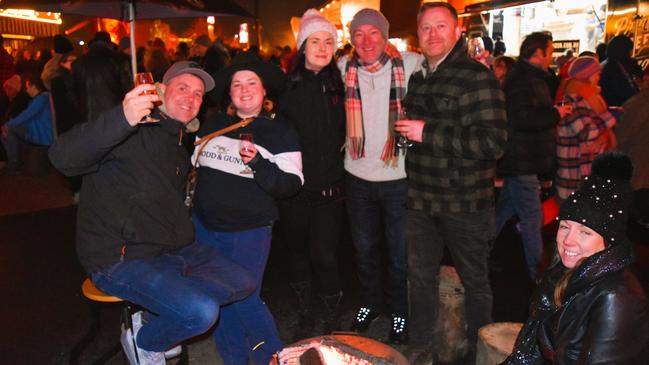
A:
[(354, 109)]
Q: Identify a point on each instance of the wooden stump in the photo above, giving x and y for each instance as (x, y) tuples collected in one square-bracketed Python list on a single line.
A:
[(496, 342), (451, 343)]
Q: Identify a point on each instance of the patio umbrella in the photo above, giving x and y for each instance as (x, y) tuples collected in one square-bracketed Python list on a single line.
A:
[(129, 10)]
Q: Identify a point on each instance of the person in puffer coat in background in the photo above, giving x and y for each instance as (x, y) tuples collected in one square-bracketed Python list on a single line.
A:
[(584, 133)]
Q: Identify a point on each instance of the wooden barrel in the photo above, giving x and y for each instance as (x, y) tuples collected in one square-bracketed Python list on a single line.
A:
[(451, 343), (496, 342)]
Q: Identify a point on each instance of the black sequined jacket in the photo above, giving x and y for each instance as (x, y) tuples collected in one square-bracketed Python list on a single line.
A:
[(603, 319)]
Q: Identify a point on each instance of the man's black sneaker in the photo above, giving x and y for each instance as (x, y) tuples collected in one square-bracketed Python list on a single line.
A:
[(399, 331), (364, 318)]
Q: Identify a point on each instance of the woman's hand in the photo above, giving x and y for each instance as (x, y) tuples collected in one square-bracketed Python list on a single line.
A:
[(247, 152)]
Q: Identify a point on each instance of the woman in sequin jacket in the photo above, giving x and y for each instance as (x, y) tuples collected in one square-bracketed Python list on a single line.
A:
[(589, 308)]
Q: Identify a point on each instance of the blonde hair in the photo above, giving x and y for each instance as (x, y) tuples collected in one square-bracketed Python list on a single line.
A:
[(562, 283)]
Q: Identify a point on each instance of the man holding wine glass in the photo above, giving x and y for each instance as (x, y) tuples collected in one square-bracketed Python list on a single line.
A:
[(376, 78), (134, 235), (457, 116), (146, 78)]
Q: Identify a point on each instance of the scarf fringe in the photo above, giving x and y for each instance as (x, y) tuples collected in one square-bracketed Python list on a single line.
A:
[(356, 147), (390, 154)]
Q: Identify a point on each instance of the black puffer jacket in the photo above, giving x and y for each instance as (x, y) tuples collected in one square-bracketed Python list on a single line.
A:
[(531, 123), (131, 202), (101, 79), (319, 118), (603, 319)]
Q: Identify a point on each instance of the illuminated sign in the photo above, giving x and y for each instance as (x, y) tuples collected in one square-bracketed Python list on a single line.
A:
[(563, 46), (45, 17), (243, 33)]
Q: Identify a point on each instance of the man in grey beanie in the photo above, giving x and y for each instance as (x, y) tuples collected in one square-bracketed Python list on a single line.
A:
[(370, 17), (375, 78)]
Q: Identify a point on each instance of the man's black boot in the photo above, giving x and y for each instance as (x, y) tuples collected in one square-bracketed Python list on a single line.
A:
[(331, 312)]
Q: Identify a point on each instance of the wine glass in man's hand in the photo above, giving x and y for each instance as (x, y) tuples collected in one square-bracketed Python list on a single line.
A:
[(146, 78)]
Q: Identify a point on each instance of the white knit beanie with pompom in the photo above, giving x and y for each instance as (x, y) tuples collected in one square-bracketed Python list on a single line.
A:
[(312, 22)]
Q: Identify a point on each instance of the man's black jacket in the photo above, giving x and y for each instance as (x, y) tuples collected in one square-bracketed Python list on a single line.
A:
[(531, 123), (131, 203)]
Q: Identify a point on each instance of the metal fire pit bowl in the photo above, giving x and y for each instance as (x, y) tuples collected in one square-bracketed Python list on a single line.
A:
[(382, 353)]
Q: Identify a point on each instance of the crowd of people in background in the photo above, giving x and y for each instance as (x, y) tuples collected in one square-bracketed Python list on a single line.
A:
[(405, 146)]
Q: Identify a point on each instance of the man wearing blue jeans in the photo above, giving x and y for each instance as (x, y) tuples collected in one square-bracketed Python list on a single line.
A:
[(531, 124), (134, 234)]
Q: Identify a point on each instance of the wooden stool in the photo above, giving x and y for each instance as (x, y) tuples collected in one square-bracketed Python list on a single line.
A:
[(496, 342)]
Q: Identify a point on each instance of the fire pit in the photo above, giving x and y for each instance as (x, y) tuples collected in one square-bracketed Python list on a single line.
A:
[(343, 349)]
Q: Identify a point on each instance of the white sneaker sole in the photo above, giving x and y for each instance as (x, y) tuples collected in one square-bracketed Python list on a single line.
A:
[(173, 352)]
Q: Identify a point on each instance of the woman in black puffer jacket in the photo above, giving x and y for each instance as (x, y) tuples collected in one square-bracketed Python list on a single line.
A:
[(589, 308), (312, 221)]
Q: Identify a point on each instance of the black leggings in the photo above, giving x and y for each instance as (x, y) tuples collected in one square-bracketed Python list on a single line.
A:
[(312, 234)]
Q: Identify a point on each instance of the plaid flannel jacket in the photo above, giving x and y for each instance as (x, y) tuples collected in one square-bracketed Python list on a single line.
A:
[(463, 106)]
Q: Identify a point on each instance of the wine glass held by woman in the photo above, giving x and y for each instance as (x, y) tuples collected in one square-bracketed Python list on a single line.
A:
[(247, 148), (588, 307)]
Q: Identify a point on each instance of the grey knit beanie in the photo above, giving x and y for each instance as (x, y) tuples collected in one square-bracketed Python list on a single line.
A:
[(370, 17)]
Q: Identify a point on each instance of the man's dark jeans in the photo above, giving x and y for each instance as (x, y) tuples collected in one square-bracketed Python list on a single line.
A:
[(377, 212), (466, 235)]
